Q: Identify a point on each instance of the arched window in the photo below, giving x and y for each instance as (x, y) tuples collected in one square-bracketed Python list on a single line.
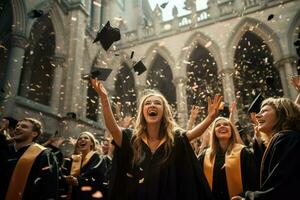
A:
[(160, 77), (38, 71), (254, 70), (125, 91), (5, 30), (203, 80)]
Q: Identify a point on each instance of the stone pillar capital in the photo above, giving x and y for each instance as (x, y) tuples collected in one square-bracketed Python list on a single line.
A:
[(179, 80), (280, 63), (19, 41), (226, 70)]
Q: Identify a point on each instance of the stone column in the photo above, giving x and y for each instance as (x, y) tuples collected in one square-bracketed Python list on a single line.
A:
[(180, 84), (58, 62), (13, 73), (228, 85), (96, 14), (75, 64), (286, 67), (84, 84)]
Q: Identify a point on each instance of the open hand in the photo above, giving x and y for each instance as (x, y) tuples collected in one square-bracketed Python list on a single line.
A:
[(213, 106), (98, 87)]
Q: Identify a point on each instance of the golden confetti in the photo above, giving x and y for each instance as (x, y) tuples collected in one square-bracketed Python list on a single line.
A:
[(97, 195), (86, 188)]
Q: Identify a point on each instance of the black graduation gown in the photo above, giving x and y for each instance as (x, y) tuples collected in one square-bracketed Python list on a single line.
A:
[(91, 175), (280, 173), (249, 170), (178, 178), (42, 182)]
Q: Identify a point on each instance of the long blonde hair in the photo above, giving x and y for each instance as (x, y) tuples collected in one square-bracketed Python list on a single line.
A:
[(167, 129), (214, 141)]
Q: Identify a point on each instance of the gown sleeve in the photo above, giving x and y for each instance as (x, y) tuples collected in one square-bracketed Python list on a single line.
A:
[(280, 174), (191, 180)]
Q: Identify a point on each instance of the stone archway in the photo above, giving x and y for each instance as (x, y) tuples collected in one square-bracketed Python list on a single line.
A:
[(38, 70), (6, 21), (125, 90), (160, 77), (254, 70), (203, 79)]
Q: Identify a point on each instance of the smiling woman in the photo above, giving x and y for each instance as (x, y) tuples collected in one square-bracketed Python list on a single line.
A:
[(228, 166), (279, 119), (155, 159), (84, 173)]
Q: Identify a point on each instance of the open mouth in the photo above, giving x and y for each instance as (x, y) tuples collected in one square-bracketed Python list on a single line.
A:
[(82, 145), (152, 113)]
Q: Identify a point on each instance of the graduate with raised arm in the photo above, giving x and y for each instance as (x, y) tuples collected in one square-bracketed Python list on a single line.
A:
[(155, 159)]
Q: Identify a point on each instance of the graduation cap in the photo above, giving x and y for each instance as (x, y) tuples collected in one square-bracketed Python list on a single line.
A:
[(163, 5), (35, 13), (107, 36), (270, 17), (99, 73), (255, 105), (132, 53), (139, 67)]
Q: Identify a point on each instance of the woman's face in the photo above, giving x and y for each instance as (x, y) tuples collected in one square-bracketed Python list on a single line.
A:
[(223, 129), (266, 119), (84, 143), (153, 109)]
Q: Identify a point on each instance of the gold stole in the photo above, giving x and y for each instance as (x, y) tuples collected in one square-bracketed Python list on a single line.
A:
[(232, 168), (21, 172), (77, 163)]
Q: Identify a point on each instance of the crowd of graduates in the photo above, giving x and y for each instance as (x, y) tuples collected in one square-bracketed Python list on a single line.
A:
[(150, 157)]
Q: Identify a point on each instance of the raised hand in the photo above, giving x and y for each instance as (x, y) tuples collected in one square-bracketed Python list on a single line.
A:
[(194, 112), (98, 87), (109, 119), (213, 106)]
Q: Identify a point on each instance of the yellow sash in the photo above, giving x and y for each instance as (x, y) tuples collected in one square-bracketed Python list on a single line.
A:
[(232, 168), (21, 172), (77, 163)]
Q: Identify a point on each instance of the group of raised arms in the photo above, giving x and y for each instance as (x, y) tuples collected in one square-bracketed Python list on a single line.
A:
[(149, 157)]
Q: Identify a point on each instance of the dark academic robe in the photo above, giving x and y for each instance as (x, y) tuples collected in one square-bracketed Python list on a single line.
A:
[(249, 173), (42, 182), (91, 177), (280, 175), (177, 178)]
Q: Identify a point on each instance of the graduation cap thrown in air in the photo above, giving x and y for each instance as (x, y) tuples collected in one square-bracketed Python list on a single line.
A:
[(255, 105), (35, 13), (107, 36), (100, 73), (139, 67), (163, 5), (270, 17)]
